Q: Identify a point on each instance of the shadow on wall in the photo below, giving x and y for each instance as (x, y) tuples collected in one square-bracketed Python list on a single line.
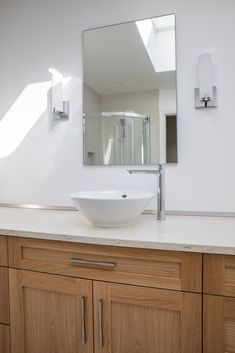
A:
[(27, 109)]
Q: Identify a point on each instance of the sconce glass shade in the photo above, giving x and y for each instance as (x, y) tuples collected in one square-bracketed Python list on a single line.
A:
[(60, 107), (206, 92), (57, 89), (205, 75)]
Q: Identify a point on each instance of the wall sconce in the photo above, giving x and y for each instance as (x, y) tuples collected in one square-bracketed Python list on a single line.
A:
[(60, 108), (206, 93)]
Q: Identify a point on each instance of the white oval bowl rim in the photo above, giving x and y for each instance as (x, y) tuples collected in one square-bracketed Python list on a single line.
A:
[(140, 194)]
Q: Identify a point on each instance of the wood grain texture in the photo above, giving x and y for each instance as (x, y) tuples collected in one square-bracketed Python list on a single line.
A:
[(46, 313), (219, 324), (150, 268), (4, 339), (145, 320), (229, 325), (4, 296), (213, 326), (219, 274), (3, 251)]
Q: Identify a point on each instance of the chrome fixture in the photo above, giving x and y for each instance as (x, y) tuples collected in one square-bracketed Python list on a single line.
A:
[(160, 173), (206, 101), (91, 263), (60, 107), (206, 92), (83, 312), (100, 316), (62, 114)]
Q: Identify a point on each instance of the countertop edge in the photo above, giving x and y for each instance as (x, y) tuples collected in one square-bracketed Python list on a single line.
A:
[(196, 248)]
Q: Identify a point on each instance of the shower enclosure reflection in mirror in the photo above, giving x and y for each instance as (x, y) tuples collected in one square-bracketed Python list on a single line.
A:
[(129, 93)]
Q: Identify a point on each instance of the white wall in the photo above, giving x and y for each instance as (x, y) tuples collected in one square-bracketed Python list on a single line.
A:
[(167, 99), (47, 166)]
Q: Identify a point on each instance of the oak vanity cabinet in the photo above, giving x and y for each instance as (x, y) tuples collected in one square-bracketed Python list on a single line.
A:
[(4, 298), (65, 296), (50, 313), (129, 319), (219, 303)]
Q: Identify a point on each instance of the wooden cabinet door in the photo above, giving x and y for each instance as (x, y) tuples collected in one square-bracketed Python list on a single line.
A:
[(133, 319), (3, 251), (4, 296), (218, 324), (4, 339), (50, 313)]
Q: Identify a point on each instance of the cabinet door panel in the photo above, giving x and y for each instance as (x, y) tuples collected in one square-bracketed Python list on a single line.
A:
[(4, 339), (219, 274), (219, 324), (3, 251), (50, 314), (132, 319), (4, 296)]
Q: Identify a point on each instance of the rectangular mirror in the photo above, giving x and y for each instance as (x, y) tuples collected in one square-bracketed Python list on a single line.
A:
[(129, 93)]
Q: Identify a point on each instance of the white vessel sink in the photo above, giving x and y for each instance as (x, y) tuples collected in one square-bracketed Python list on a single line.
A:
[(111, 208)]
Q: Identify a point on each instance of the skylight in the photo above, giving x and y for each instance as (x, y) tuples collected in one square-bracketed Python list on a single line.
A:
[(164, 23), (158, 37)]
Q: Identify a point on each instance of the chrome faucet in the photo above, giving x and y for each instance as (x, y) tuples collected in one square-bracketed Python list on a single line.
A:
[(160, 173)]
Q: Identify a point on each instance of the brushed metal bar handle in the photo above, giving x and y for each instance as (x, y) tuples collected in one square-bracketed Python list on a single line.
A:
[(100, 317), (90, 263), (83, 310)]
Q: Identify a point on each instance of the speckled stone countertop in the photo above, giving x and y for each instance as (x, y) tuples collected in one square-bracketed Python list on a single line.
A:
[(181, 233)]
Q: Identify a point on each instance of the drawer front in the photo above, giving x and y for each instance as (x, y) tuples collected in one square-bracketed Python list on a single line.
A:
[(4, 339), (150, 268), (3, 251), (4, 296), (219, 274)]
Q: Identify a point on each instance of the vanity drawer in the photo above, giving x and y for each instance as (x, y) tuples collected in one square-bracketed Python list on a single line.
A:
[(4, 296), (150, 268), (219, 274), (3, 251)]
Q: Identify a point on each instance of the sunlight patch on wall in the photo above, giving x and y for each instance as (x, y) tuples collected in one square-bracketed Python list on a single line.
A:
[(22, 116)]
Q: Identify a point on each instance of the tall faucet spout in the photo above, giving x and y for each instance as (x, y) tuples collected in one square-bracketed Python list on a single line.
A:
[(160, 173), (143, 171), (161, 214)]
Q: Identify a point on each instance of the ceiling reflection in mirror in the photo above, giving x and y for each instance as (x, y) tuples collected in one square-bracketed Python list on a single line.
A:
[(129, 93)]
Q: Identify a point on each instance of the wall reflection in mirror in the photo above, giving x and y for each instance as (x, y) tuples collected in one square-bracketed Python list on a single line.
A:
[(129, 93)]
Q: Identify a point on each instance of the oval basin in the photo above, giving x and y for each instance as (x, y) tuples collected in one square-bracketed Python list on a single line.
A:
[(111, 208)]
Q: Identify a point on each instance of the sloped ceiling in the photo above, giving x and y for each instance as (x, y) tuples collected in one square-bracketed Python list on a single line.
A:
[(116, 61)]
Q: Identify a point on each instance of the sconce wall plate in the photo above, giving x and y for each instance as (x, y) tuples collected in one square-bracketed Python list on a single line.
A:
[(206, 101), (60, 107), (64, 114)]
